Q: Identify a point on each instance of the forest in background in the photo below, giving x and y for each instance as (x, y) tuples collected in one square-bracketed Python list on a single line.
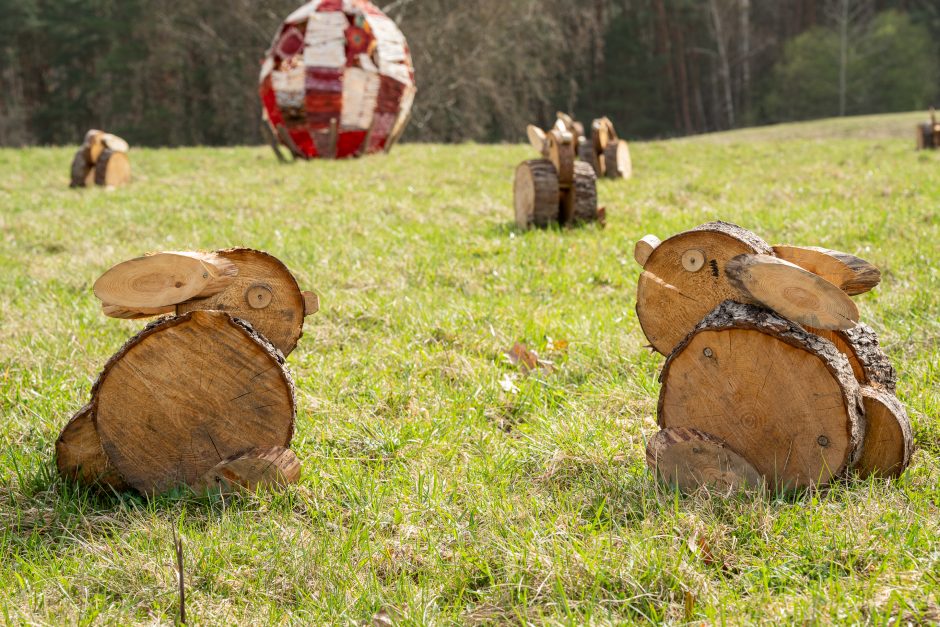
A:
[(170, 73)]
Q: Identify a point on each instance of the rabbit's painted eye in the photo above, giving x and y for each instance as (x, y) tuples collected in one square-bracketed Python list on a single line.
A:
[(693, 260), (259, 296)]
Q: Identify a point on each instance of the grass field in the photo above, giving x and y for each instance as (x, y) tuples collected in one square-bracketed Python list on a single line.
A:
[(439, 484)]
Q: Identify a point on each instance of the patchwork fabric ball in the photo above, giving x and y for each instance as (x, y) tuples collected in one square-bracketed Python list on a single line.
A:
[(337, 81)]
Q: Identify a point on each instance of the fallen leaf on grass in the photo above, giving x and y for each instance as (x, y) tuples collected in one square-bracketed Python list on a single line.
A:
[(520, 355)]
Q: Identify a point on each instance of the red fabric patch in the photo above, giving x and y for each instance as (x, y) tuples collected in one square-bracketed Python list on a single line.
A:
[(290, 43), (303, 141), (324, 79), (330, 5), (269, 100), (349, 142), (390, 94)]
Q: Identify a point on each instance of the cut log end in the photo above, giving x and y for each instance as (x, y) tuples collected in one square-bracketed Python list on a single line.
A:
[(782, 398), (536, 194), (618, 164), (689, 460), (162, 427), (259, 468), (536, 138), (791, 291), (644, 248), (113, 169), (79, 456), (889, 442)]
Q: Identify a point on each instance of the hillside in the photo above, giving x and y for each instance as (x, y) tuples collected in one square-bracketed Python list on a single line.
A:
[(439, 484)]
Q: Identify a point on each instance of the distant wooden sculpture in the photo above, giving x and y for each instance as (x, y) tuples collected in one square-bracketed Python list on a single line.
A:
[(928, 133), (101, 160), (337, 82), (556, 188), (768, 367), (201, 398)]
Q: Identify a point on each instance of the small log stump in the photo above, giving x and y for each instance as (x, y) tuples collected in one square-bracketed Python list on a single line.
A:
[(536, 193), (187, 393), (684, 279), (690, 459), (780, 397), (561, 152)]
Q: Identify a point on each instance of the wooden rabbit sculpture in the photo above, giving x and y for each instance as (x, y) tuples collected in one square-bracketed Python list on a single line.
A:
[(557, 188), (770, 378), (201, 397)]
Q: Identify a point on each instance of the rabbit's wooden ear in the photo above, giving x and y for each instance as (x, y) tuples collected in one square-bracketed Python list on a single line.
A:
[(847, 272), (791, 291), (536, 137), (644, 248), (163, 279)]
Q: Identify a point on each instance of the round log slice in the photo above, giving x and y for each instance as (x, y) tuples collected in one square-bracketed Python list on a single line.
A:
[(846, 271), (258, 468), (579, 202), (113, 169), (536, 138), (780, 397), (264, 293), (187, 393), (93, 145), (671, 299), (536, 193), (162, 279), (889, 442), (690, 459), (617, 160), (792, 292), (79, 456)]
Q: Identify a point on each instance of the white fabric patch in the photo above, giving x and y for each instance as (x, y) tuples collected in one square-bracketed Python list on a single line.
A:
[(360, 95), (289, 86), (326, 40), (303, 13)]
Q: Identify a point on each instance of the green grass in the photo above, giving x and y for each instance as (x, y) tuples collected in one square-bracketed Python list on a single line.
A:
[(429, 491)]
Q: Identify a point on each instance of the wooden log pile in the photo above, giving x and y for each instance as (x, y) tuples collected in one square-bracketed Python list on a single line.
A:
[(770, 378), (928, 133), (556, 188), (202, 396), (101, 160)]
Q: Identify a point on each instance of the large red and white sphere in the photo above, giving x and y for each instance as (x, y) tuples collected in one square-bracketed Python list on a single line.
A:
[(338, 80)]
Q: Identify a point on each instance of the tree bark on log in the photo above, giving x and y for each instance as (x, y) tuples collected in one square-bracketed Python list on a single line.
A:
[(579, 203), (536, 193), (162, 426), (869, 363), (685, 279), (780, 397), (691, 459)]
